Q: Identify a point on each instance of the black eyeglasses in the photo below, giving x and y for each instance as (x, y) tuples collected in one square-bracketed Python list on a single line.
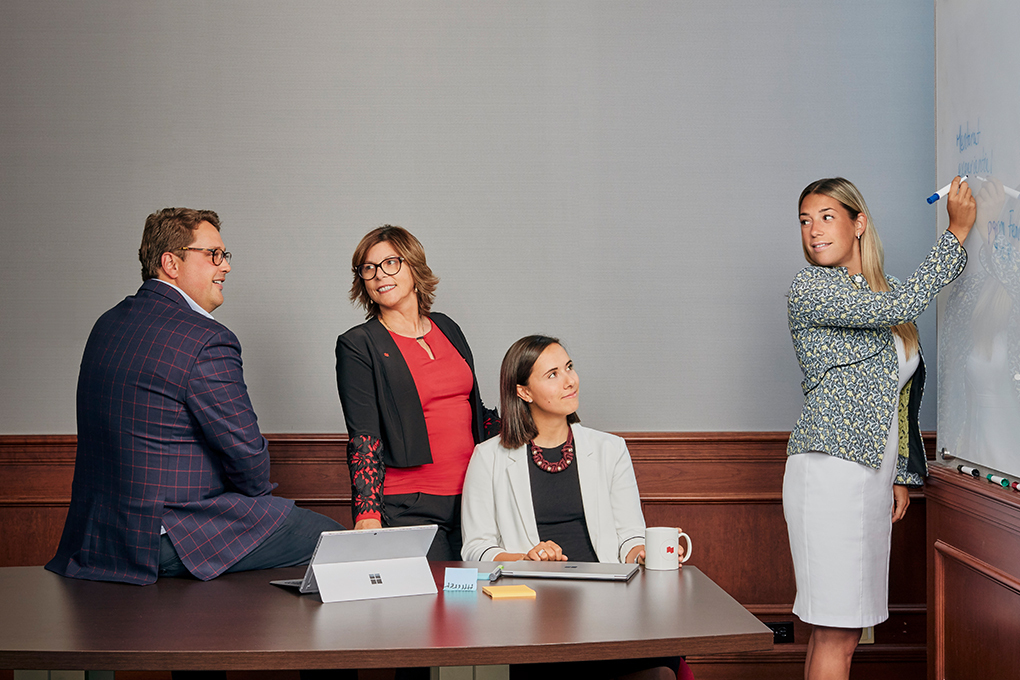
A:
[(218, 254), (390, 266)]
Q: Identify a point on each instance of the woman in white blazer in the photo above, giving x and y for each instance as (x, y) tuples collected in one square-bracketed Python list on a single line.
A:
[(549, 489)]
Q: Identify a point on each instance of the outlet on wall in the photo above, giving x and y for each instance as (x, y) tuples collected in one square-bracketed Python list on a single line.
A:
[(782, 631)]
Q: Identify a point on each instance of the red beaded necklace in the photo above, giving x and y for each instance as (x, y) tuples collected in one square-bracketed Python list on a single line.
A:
[(560, 465)]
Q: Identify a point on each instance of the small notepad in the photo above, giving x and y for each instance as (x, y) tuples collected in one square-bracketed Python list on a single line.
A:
[(509, 592)]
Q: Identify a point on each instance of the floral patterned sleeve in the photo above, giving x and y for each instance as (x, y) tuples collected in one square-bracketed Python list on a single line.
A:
[(364, 458), (491, 423), (822, 296)]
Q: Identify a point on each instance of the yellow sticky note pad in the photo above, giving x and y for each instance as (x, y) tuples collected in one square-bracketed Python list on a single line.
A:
[(509, 592)]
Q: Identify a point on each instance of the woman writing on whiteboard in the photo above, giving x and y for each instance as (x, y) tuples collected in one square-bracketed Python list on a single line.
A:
[(409, 394), (856, 448)]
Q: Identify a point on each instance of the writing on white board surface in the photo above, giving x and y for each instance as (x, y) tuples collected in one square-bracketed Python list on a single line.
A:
[(967, 139), (1004, 235), (979, 344), (978, 133), (974, 157)]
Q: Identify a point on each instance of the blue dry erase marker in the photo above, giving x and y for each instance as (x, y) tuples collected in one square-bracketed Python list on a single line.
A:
[(996, 479), (973, 472), (941, 193)]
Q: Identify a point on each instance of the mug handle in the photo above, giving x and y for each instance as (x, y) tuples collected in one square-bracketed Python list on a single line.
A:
[(690, 547)]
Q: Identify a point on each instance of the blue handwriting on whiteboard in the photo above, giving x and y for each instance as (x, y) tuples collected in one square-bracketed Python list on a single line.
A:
[(967, 139), (1009, 230), (980, 165)]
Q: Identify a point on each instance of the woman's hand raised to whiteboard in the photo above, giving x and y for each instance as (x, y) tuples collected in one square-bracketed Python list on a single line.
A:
[(962, 209)]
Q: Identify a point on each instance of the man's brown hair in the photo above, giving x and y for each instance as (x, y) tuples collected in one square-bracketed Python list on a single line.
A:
[(168, 230)]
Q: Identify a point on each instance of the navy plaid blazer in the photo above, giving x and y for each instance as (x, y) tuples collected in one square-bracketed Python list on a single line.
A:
[(166, 436)]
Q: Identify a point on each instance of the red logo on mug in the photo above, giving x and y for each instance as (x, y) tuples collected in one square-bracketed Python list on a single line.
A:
[(670, 550)]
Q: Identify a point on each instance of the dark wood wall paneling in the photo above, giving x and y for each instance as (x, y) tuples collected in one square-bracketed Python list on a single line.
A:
[(973, 578), (725, 489)]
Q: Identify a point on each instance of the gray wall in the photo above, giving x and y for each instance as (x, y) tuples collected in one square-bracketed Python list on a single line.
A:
[(621, 174)]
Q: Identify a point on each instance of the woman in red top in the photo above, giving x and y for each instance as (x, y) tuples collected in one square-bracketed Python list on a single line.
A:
[(409, 395)]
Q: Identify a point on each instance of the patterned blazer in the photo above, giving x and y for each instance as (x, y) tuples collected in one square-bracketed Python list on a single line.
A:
[(841, 333), (166, 436)]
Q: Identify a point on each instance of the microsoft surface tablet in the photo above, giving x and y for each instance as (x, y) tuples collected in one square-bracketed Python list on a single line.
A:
[(390, 558)]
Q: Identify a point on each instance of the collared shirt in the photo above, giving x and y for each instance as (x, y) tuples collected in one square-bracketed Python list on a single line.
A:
[(187, 298)]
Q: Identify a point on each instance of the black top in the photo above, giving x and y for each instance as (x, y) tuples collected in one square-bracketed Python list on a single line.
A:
[(559, 510), (384, 417)]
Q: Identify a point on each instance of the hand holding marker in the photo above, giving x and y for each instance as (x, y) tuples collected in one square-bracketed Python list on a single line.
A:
[(944, 191)]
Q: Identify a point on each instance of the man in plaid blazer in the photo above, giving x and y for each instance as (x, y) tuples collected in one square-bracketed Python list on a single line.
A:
[(172, 473)]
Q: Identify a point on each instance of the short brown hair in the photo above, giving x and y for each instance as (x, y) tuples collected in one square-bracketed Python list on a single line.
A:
[(518, 426), (168, 230), (407, 247)]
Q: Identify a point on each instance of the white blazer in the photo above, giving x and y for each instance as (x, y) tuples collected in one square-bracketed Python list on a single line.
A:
[(498, 515)]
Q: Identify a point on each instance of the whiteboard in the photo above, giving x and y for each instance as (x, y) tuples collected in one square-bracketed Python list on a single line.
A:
[(978, 133)]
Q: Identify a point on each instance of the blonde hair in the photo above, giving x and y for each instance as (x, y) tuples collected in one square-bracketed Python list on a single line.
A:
[(872, 254)]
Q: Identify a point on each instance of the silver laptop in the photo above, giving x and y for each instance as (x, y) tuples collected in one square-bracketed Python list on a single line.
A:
[(596, 571), (368, 564)]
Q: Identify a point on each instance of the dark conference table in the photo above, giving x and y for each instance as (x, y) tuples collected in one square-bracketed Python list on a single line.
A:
[(241, 622)]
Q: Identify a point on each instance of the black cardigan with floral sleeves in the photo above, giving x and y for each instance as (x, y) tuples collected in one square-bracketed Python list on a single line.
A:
[(384, 416)]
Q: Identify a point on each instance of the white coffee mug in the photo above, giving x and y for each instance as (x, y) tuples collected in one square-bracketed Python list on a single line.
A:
[(662, 548)]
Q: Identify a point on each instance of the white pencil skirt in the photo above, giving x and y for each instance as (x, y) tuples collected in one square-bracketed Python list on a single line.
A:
[(839, 516)]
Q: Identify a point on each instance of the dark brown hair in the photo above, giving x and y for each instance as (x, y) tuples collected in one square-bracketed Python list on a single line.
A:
[(518, 426), (407, 247), (168, 230)]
